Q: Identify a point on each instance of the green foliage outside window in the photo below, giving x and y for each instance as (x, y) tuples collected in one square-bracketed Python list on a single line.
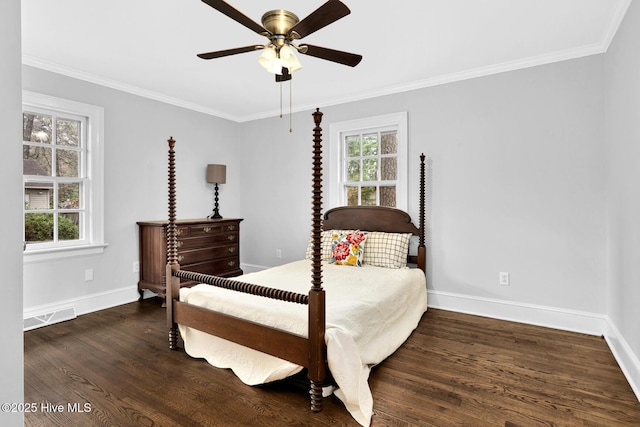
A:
[(39, 228)]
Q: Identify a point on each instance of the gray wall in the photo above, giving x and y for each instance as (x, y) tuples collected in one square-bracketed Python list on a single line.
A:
[(516, 183), (11, 365), (622, 189)]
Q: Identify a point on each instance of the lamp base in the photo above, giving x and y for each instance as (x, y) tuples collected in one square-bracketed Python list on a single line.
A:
[(215, 214)]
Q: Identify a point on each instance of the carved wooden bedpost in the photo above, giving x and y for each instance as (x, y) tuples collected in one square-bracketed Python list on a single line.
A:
[(172, 250), (422, 249), (317, 347)]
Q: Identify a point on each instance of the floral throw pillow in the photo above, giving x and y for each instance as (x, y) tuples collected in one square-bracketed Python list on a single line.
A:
[(347, 248)]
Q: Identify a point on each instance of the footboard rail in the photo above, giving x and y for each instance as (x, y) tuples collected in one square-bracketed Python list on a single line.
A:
[(247, 288)]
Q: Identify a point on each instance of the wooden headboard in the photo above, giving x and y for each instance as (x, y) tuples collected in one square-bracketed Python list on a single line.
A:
[(369, 218)]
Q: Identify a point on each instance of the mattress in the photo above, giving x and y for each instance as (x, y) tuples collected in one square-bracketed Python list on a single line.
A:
[(370, 312)]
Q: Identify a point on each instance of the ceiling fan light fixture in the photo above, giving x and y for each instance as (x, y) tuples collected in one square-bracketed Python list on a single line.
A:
[(268, 57), (289, 59), (276, 67)]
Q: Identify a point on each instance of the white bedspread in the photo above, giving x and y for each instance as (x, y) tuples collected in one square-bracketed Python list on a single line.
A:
[(370, 312)]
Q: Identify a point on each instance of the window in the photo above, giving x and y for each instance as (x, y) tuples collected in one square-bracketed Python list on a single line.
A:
[(369, 162), (62, 177)]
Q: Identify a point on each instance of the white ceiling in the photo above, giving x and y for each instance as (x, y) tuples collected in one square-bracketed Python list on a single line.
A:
[(149, 47)]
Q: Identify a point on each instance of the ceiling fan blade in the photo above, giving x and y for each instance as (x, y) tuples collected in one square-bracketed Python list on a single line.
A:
[(221, 53), (326, 14), (236, 15), (346, 58)]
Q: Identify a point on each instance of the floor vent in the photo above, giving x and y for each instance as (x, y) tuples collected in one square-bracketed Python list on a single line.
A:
[(49, 318)]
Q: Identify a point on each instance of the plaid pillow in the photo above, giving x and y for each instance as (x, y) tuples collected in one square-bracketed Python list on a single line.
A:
[(387, 249)]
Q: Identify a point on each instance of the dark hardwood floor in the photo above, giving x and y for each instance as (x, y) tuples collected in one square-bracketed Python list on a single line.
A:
[(114, 368)]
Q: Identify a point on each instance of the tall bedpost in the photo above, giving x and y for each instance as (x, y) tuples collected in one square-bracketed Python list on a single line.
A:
[(172, 250), (422, 249), (317, 347)]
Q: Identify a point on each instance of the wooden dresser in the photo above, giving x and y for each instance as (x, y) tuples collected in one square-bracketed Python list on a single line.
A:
[(210, 246)]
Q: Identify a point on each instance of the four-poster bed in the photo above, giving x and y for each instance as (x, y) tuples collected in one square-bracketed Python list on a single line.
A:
[(258, 324)]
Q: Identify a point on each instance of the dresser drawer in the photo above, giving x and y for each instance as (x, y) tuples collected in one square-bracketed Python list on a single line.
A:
[(182, 231), (211, 229), (207, 241), (206, 254), (222, 267)]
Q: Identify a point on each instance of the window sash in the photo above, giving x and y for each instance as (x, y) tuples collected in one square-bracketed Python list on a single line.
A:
[(89, 212), (56, 181)]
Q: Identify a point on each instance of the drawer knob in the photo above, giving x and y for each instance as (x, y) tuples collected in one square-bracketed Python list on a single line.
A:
[(231, 263), (231, 237), (179, 232), (231, 227), (232, 250), (180, 258), (207, 229), (179, 243)]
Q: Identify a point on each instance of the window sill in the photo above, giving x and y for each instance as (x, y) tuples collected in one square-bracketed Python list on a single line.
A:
[(52, 254)]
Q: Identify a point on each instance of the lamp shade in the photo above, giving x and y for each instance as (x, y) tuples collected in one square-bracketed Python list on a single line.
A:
[(217, 174)]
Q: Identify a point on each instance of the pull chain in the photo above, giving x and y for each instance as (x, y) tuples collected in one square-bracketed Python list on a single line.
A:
[(290, 108), (280, 84)]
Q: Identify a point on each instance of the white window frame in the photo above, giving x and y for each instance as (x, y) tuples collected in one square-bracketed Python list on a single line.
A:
[(93, 237), (338, 131)]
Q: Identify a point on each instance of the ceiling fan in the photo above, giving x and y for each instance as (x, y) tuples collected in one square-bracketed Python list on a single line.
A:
[(282, 27)]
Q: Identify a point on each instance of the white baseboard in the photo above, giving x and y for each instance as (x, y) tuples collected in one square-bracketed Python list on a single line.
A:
[(252, 268), (628, 361), (551, 317), (540, 315), (86, 303)]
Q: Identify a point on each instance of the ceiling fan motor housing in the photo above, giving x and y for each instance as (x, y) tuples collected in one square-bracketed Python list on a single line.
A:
[(279, 22)]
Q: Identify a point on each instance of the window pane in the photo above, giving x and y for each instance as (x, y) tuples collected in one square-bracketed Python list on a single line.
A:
[(38, 195), (369, 196), (36, 128), (68, 132), (69, 196), (353, 170), (370, 144), (67, 162), (38, 227), (370, 170), (36, 160), (68, 226), (389, 142), (352, 196), (353, 146), (388, 196), (389, 169)]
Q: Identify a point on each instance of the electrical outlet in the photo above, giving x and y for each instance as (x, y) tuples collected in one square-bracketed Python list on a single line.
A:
[(136, 266), (88, 275), (278, 253), (504, 279)]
